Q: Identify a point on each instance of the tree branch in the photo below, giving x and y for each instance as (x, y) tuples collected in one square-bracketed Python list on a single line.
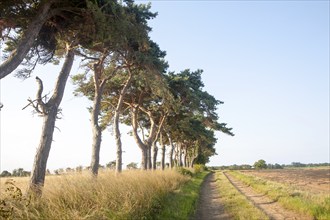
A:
[(42, 105)]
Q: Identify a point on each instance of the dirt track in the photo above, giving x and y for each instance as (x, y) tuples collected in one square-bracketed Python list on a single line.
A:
[(209, 204)]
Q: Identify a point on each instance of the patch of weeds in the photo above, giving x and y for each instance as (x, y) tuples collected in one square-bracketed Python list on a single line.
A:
[(13, 197), (184, 171)]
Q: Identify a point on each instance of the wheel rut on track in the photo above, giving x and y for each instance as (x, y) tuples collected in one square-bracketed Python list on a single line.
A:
[(270, 207)]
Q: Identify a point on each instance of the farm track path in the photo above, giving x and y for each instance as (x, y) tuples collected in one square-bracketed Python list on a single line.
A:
[(209, 203), (270, 207)]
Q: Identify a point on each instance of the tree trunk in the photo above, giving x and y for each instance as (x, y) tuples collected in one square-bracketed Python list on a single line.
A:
[(96, 146), (141, 145), (154, 155), (171, 163), (163, 152), (149, 158), (97, 134), (180, 155), (185, 161), (144, 160), (116, 124), (171, 151), (176, 155), (96, 129), (192, 161), (27, 40), (194, 156), (40, 161)]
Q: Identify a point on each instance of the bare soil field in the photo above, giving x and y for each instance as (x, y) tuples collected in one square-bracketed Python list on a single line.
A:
[(316, 180)]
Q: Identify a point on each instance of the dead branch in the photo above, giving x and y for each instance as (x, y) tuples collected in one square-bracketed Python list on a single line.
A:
[(40, 103), (31, 102)]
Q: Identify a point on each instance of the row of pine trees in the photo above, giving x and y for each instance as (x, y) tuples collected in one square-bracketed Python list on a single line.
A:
[(124, 75)]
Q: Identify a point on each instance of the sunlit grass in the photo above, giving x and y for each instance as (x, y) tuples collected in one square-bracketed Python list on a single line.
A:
[(302, 201), (182, 203), (131, 195), (235, 204)]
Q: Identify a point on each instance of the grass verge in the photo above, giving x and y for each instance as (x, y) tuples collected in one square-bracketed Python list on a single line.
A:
[(235, 204), (181, 204), (315, 205)]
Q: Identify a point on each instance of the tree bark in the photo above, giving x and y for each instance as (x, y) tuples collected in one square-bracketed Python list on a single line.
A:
[(149, 158), (180, 155), (163, 152), (96, 144), (40, 161), (96, 129), (185, 162), (144, 160), (116, 124), (27, 40), (154, 155)]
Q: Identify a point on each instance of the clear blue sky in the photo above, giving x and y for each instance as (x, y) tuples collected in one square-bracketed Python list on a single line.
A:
[(267, 60)]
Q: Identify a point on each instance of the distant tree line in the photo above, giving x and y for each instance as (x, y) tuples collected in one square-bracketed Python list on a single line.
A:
[(261, 164), (20, 172), (298, 164)]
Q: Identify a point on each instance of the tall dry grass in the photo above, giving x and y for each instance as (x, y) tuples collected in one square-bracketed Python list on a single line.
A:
[(130, 195)]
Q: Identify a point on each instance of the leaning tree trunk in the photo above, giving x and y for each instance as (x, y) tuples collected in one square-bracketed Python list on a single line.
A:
[(27, 40), (40, 161), (119, 162), (50, 113)]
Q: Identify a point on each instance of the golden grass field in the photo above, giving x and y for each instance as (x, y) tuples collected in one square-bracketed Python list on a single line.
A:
[(130, 195)]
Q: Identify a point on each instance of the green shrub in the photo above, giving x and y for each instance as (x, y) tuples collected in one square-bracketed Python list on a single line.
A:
[(199, 168), (184, 171)]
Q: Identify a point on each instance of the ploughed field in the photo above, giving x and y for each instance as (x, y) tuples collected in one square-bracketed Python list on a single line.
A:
[(316, 180)]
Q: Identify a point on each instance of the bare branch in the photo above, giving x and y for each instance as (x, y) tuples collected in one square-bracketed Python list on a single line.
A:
[(85, 56)]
